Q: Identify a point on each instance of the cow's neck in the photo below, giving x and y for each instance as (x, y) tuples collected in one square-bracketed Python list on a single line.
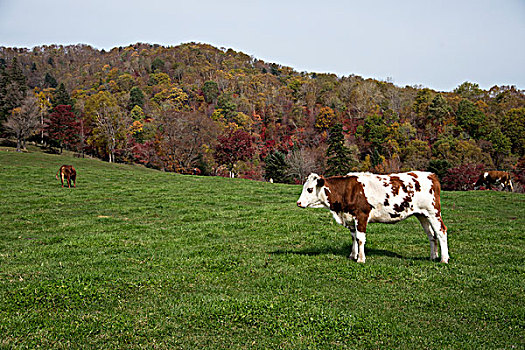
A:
[(332, 197)]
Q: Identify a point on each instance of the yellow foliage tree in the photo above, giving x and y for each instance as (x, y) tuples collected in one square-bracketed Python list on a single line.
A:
[(325, 119)]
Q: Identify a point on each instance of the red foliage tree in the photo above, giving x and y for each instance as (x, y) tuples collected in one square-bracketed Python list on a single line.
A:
[(462, 178), (519, 175), (63, 127), (233, 147)]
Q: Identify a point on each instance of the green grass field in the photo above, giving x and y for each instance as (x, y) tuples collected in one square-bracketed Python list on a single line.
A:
[(136, 258)]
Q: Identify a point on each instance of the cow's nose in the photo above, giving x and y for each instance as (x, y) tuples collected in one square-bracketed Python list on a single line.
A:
[(299, 204)]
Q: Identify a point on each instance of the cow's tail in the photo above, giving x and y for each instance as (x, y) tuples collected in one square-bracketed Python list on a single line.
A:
[(56, 176)]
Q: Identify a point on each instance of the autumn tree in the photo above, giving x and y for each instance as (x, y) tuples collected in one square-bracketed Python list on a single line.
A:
[(301, 162), (109, 125), (62, 127), (514, 127), (185, 138), (23, 121), (44, 103), (232, 147), (416, 155), (171, 98), (421, 106), (459, 152), (325, 119)]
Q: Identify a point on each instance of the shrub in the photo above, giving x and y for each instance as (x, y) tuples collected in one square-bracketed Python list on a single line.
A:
[(462, 178), (439, 167)]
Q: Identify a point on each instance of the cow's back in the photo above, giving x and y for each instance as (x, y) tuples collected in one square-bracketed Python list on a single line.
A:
[(396, 196)]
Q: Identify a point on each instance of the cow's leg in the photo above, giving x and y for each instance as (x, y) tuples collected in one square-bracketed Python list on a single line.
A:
[(440, 231), (360, 235), (348, 221), (62, 178), (423, 220), (361, 240), (353, 254)]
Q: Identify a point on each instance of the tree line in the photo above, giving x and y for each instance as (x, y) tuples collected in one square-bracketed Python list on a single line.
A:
[(198, 109)]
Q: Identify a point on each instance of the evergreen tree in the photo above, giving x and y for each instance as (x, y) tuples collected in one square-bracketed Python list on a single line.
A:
[(439, 109), (3, 91), (50, 81), (439, 167), (275, 167), (471, 119), (16, 75), (61, 97), (157, 65), (136, 98), (12, 88), (339, 161), (210, 91), (375, 131), (227, 106)]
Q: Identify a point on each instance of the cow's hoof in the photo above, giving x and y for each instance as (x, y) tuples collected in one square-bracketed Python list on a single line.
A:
[(362, 261), (444, 261)]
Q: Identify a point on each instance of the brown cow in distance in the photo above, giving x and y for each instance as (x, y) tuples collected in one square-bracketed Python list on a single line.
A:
[(499, 179), (68, 173)]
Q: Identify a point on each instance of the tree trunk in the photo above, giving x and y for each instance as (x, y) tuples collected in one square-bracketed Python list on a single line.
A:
[(42, 126)]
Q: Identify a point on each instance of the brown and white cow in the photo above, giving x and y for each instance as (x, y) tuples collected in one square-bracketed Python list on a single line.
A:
[(499, 179), (359, 198), (68, 173)]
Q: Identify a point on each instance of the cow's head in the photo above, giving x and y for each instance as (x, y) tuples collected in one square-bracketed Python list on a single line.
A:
[(480, 183), (312, 195)]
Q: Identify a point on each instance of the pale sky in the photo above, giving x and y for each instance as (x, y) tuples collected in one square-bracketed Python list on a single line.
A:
[(436, 44)]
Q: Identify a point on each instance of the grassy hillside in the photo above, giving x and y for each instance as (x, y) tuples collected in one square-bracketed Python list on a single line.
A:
[(136, 258)]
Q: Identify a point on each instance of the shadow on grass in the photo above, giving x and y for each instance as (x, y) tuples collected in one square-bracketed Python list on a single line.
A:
[(344, 250)]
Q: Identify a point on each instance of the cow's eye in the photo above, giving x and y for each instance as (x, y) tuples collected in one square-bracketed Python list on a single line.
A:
[(310, 190)]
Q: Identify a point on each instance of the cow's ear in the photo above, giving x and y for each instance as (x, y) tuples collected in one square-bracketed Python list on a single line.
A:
[(320, 182)]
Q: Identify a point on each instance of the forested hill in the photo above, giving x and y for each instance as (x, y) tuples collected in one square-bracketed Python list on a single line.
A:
[(200, 109)]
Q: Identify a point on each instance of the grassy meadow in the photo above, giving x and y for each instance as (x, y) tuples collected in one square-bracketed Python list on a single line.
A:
[(137, 258)]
